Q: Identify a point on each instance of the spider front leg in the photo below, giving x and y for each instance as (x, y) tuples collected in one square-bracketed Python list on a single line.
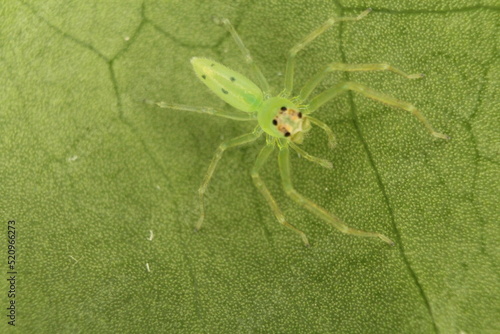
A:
[(246, 53), (315, 80), (290, 62), (238, 141), (284, 165), (330, 93), (261, 159)]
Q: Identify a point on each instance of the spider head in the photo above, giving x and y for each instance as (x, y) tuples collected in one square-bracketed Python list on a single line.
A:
[(281, 118)]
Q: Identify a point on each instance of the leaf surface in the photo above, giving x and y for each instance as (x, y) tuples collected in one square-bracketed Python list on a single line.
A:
[(90, 173)]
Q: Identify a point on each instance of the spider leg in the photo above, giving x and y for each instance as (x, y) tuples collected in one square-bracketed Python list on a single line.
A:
[(238, 141), (257, 180), (322, 162), (246, 53), (332, 142), (290, 62), (330, 93), (234, 115), (315, 80), (284, 165)]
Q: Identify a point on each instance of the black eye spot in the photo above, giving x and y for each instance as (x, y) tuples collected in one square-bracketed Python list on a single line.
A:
[(275, 122), (283, 108), (300, 115), (232, 79), (224, 91), (287, 134), (204, 76)]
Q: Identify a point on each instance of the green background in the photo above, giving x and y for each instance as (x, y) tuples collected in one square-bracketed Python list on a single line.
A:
[(88, 170)]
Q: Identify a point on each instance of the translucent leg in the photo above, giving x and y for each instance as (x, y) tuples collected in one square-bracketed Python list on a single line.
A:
[(315, 80), (234, 115), (330, 93), (329, 133), (246, 53), (290, 63), (284, 165), (250, 137), (261, 159), (304, 154)]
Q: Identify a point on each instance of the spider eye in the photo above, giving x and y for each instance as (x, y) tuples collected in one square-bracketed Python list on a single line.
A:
[(287, 134), (283, 108), (300, 115), (275, 122)]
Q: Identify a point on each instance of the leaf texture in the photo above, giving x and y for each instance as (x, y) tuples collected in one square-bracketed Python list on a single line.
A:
[(89, 170)]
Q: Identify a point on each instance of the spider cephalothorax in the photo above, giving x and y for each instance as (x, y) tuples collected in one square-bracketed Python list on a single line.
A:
[(281, 118)]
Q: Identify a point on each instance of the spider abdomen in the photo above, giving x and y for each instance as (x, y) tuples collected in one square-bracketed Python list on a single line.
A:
[(232, 87)]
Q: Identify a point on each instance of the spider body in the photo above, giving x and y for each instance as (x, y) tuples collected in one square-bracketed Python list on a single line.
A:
[(285, 118), (277, 116)]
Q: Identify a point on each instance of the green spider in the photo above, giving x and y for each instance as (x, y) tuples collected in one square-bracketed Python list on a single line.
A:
[(284, 118)]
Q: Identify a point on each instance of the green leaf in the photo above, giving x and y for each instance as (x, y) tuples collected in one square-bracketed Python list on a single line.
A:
[(88, 170)]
